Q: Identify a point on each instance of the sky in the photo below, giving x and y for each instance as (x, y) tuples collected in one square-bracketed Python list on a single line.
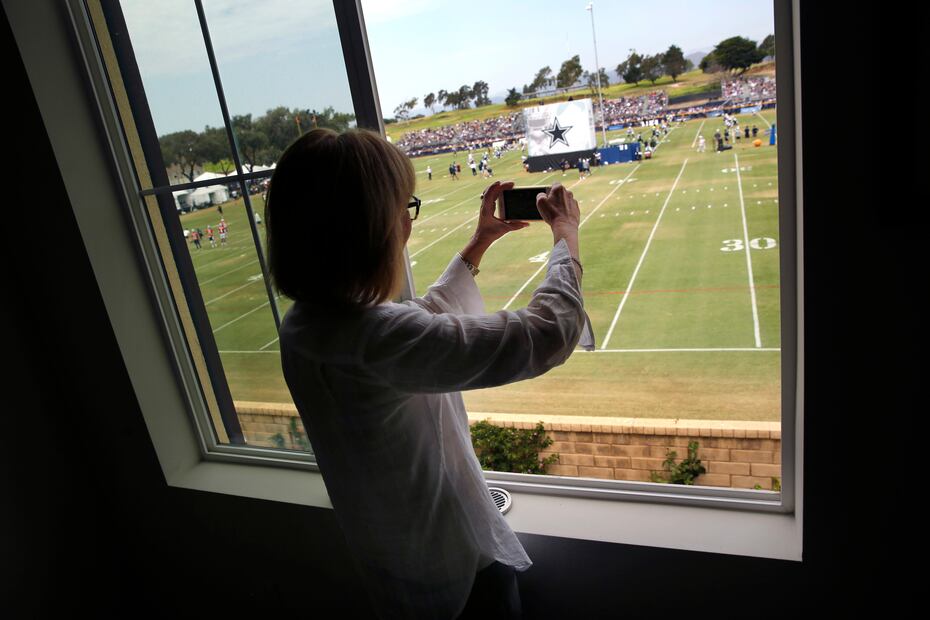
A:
[(287, 52)]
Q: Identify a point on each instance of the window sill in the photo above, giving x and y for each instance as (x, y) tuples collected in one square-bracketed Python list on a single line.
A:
[(691, 528)]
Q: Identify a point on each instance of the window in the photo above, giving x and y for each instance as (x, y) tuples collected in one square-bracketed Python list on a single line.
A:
[(174, 366)]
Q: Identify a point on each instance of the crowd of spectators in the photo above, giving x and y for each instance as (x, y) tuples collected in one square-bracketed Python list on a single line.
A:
[(464, 136), (626, 111), (747, 90), (632, 109)]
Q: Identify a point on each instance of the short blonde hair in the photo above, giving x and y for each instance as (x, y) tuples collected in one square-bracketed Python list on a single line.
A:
[(333, 219)]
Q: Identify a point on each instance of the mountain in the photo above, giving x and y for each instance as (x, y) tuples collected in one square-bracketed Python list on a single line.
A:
[(697, 56)]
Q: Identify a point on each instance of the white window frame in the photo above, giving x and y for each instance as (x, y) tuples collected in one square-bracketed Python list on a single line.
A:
[(69, 85)]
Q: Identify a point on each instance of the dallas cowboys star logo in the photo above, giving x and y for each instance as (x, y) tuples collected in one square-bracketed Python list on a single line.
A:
[(557, 133)]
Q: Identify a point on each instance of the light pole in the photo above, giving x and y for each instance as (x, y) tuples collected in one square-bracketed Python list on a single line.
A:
[(597, 75)]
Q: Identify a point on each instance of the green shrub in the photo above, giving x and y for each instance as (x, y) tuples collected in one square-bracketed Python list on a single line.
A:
[(684, 472), (511, 449)]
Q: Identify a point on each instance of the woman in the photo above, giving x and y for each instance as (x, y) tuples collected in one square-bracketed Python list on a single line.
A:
[(377, 383)]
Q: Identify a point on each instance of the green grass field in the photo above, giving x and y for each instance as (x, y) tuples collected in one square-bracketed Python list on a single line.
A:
[(685, 317)]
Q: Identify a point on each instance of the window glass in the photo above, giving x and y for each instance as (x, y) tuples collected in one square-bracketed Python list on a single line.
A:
[(679, 235), (172, 59)]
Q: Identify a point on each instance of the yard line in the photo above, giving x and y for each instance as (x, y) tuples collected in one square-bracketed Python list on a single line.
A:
[(268, 345), (752, 286), (225, 325), (423, 249), (707, 350), (543, 265), (224, 352), (629, 287), (421, 222), (697, 133), (228, 272), (764, 120), (250, 283)]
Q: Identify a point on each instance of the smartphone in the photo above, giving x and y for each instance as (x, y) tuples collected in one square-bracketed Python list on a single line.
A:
[(519, 203)]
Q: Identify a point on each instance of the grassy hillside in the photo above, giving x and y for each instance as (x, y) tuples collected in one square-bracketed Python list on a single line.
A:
[(687, 84)]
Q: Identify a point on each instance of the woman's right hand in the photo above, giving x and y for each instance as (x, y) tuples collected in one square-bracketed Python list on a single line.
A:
[(559, 209)]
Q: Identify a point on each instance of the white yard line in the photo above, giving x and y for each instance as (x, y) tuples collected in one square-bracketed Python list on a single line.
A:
[(233, 291), (225, 273), (420, 223), (752, 286), (697, 133), (626, 294), (225, 325), (697, 350), (544, 265), (268, 345), (764, 120), (424, 248)]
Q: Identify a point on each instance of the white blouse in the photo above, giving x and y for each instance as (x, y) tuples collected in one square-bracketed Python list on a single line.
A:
[(379, 396)]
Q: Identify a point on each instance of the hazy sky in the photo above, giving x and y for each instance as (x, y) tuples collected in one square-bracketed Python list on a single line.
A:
[(287, 52)]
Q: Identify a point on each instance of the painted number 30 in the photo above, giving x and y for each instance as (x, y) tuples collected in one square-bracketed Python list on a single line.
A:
[(759, 243)]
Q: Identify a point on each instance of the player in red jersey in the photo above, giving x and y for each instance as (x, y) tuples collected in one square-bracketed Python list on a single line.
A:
[(222, 228), (210, 236)]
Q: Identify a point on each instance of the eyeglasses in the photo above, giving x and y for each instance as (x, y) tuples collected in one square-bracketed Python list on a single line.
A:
[(414, 204)]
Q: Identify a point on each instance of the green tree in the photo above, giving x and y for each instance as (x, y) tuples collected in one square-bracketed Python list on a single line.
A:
[(429, 100), (569, 72), (480, 93), (187, 149), (737, 53), (591, 79), (673, 62), (652, 68), (441, 96), (767, 47), (464, 96), (710, 64), (631, 69), (253, 146), (542, 76), (512, 97)]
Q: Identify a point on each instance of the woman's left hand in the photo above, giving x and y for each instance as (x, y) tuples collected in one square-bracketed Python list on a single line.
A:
[(490, 227)]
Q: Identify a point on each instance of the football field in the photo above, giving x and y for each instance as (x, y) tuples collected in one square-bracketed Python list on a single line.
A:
[(681, 281)]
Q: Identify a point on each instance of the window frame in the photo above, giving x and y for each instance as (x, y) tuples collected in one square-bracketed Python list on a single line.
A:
[(97, 168)]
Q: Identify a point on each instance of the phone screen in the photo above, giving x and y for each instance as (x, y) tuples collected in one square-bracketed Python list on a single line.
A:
[(519, 203)]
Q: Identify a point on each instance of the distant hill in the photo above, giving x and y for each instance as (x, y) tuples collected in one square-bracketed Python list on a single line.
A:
[(697, 57)]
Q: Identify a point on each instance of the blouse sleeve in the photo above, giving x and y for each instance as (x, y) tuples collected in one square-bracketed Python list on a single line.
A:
[(455, 291), (410, 348)]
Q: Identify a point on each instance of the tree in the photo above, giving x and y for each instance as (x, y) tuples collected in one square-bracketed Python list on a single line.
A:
[(710, 64), (252, 143), (542, 76), (441, 98), (737, 53), (652, 68), (673, 62), (569, 72), (429, 100), (591, 79), (480, 93), (463, 96), (767, 47), (631, 68), (513, 97), (403, 110), (186, 149)]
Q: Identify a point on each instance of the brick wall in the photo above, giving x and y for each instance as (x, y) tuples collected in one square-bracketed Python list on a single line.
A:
[(735, 454)]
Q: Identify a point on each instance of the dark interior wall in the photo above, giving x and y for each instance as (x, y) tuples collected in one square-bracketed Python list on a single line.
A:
[(88, 523)]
